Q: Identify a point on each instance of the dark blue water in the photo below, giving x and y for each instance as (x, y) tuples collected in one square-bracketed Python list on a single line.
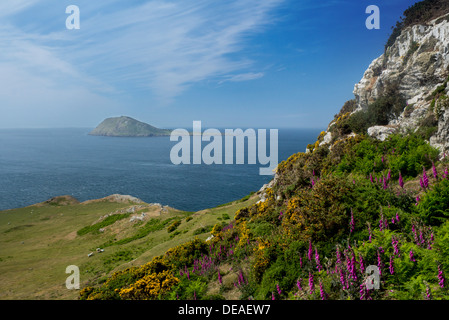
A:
[(37, 164)]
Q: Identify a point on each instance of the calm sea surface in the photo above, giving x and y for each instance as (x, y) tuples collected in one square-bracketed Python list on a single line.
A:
[(37, 164)]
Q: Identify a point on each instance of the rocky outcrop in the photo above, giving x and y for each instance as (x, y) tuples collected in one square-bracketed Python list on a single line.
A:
[(417, 63)]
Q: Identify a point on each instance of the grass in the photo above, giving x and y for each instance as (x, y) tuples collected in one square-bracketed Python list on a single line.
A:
[(37, 243)]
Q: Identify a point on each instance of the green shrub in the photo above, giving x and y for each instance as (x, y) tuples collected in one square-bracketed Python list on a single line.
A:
[(106, 222), (434, 206), (173, 226)]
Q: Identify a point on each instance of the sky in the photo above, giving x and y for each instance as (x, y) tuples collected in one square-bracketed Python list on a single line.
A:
[(235, 63)]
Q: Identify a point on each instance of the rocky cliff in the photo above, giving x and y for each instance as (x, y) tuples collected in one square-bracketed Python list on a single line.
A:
[(415, 68)]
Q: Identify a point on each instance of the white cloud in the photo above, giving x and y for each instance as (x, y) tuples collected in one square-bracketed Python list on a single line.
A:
[(243, 77), (160, 46)]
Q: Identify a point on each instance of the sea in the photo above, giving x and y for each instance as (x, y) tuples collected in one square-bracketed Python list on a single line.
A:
[(38, 164)]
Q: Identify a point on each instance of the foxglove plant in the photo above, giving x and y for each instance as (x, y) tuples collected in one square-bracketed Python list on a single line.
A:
[(220, 280), (317, 260), (425, 179), (278, 289), (352, 268), (428, 293), (322, 293), (415, 236), (394, 242), (440, 277), (379, 262), (391, 265), (362, 264), (370, 234), (298, 284), (411, 256), (342, 278), (434, 171), (430, 242), (401, 181), (351, 223), (311, 285)]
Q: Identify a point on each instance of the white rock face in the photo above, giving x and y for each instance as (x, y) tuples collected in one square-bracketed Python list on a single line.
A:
[(419, 62), (380, 132)]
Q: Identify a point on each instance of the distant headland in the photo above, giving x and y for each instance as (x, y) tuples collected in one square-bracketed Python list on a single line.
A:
[(127, 127)]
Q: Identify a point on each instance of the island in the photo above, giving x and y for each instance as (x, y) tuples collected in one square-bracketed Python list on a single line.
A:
[(127, 127)]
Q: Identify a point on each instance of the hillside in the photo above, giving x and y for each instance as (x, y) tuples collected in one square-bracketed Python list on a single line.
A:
[(38, 242), (127, 127), (372, 191)]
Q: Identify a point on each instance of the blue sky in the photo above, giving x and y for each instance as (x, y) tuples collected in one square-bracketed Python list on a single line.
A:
[(233, 63)]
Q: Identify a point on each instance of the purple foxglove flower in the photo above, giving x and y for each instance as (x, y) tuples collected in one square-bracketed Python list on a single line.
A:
[(379, 263), (421, 237), (338, 253), (352, 267), (362, 264), (369, 233), (272, 296), (389, 175), (440, 277), (418, 199), (385, 185), (351, 223), (434, 171), (300, 262), (425, 179), (371, 178), (342, 278), (421, 182), (322, 293), (397, 217), (415, 236), (431, 241), (401, 181), (278, 289), (446, 174), (317, 260), (411, 256), (428, 294), (298, 284), (391, 265), (394, 242), (311, 285)]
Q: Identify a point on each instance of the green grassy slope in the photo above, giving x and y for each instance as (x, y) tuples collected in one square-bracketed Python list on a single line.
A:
[(37, 243)]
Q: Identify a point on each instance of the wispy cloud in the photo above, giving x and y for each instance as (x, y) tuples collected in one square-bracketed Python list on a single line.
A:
[(160, 46), (243, 77)]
